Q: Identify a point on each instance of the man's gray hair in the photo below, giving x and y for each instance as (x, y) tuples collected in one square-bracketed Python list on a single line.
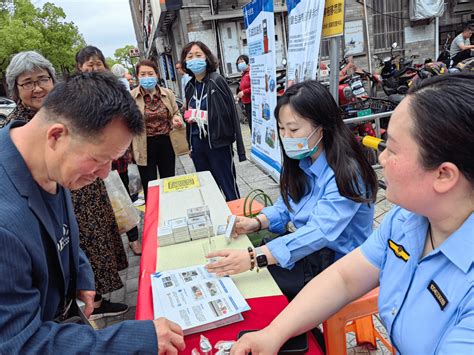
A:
[(118, 70), (24, 62)]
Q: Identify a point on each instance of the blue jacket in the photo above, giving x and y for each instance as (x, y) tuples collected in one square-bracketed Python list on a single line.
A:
[(323, 218), (32, 282)]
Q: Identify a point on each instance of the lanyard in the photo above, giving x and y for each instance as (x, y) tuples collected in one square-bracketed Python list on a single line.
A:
[(202, 97)]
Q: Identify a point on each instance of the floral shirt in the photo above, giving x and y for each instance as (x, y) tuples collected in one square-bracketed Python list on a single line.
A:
[(157, 117), (21, 112)]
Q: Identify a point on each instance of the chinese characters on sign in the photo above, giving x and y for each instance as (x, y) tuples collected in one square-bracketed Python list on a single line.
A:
[(333, 22), (305, 18)]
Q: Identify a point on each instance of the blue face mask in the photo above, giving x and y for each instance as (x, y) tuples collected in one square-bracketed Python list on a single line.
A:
[(298, 148), (242, 66), (196, 65), (148, 83)]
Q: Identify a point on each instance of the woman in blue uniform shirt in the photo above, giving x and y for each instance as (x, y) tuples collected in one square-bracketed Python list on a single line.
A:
[(422, 255), (327, 191)]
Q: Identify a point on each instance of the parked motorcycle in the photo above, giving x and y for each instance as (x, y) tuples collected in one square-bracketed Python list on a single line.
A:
[(355, 102), (397, 72), (351, 82)]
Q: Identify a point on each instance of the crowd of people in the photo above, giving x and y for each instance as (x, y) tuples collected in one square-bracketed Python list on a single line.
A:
[(59, 239)]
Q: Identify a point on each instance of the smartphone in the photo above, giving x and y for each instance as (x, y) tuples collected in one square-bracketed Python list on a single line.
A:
[(296, 345)]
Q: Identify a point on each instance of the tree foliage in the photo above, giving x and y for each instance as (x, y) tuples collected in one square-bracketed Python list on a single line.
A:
[(25, 27), (111, 61), (122, 56)]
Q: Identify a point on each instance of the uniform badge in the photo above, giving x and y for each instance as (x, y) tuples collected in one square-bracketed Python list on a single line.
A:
[(399, 250), (438, 294)]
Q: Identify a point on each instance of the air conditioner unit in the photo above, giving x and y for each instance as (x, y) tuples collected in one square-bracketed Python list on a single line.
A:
[(464, 6)]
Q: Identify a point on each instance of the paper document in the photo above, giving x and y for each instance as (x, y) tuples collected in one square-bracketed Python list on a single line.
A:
[(196, 299)]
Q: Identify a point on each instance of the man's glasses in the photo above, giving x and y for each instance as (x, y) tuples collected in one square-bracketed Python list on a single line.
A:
[(40, 82)]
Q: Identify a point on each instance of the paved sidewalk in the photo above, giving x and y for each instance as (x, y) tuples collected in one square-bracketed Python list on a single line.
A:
[(249, 177)]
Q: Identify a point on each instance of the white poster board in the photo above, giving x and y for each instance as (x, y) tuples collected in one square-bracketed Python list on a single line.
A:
[(354, 37), (259, 23), (305, 21)]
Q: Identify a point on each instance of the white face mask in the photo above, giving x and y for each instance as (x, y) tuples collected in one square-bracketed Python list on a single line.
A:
[(298, 148)]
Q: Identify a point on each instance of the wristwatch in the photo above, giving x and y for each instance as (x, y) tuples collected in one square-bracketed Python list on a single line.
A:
[(260, 258)]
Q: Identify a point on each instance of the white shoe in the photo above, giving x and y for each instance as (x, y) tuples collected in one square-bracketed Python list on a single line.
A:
[(139, 202)]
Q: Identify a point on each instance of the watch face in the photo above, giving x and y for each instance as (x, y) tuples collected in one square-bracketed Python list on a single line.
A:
[(262, 260)]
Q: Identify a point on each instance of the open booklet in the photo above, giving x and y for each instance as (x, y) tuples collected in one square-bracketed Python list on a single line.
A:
[(196, 300)]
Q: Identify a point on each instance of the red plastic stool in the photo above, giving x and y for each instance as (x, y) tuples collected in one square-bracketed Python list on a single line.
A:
[(237, 207), (249, 206), (359, 316)]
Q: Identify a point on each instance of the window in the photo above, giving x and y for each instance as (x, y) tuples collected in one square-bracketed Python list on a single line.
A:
[(388, 24), (229, 33)]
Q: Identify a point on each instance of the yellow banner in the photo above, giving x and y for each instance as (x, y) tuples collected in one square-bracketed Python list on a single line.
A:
[(333, 21), (182, 182)]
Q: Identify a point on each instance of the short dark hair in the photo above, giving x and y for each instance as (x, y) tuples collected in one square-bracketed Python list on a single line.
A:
[(211, 60), (353, 173), (148, 63), (87, 53), (243, 57), (445, 134), (87, 102)]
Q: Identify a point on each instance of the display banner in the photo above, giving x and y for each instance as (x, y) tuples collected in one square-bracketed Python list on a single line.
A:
[(305, 22), (259, 23)]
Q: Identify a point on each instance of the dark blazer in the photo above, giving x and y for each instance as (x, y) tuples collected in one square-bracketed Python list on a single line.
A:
[(31, 275)]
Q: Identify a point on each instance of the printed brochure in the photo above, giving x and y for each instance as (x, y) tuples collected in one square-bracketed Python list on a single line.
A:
[(196, 300)]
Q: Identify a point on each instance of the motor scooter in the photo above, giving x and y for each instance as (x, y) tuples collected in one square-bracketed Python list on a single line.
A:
[(396, 72)]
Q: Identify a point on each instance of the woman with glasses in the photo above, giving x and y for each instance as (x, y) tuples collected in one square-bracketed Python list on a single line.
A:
[(30, 77)]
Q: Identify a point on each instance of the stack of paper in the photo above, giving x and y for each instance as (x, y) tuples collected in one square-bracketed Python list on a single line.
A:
[(198, 212), (165, 236), (200, 227), (180, 229)]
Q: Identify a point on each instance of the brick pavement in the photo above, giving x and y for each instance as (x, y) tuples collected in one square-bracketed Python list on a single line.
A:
[(249, 177)]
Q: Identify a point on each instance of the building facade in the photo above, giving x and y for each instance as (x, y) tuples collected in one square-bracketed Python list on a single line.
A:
[(163, 27)]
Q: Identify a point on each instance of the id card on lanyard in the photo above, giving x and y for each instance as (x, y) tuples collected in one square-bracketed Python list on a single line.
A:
[(197, 115)]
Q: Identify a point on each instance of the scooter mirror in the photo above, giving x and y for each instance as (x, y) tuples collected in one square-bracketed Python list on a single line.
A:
[(283, 62), (394, 45)]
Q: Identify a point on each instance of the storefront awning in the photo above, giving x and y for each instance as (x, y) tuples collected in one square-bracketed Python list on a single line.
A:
[(167, 13)]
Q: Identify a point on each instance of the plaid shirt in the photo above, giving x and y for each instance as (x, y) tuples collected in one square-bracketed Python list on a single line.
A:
[(121, 164)]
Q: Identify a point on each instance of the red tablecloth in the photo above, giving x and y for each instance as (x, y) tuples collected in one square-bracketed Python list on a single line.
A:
[(149, 251), (263, 309)]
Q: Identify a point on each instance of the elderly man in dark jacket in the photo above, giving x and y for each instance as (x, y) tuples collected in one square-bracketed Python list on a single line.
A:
[(85, 123)]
